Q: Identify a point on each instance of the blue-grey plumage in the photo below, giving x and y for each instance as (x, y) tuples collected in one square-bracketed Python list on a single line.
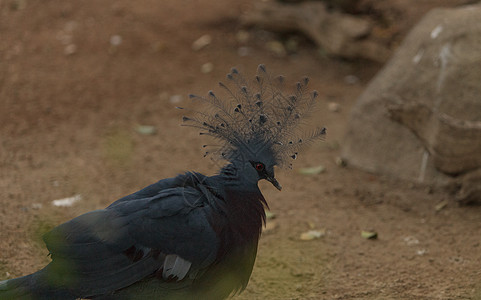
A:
[(188, 237), (257, 119)]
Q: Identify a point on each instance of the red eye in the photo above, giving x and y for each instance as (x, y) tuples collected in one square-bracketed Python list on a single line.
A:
[(259, 166)]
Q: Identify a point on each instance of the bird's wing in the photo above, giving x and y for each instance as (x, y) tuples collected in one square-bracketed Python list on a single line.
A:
[(153, 189), (106, 250)]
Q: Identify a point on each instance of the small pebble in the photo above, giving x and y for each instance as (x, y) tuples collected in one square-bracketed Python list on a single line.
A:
[(334, 106), (351, 79), (340, 162), (70, 49), (276, 47), (37, 205), (174, 99), (243, 51), (242, 36), (421, 252), (207, 68), (115, 40), (410, 240), (201, 42)]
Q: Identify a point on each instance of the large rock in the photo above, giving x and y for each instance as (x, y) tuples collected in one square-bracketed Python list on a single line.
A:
[(420, 117)]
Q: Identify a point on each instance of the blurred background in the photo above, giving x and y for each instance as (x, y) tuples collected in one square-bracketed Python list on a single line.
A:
[(379, 210)]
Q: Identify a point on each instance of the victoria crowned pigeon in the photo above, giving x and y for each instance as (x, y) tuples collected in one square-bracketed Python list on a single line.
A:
[(191, 236)]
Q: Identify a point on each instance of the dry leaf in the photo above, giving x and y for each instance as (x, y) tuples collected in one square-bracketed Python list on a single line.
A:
[(146, 129), (270, 215), (370, 235), (312, 170), (66, 202), (312, 234), (441, 205)]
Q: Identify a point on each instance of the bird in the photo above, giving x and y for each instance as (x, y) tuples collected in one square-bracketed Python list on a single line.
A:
[(191, 236)]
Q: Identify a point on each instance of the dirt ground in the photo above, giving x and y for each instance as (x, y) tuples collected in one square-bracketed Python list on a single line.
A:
[(77, 78)]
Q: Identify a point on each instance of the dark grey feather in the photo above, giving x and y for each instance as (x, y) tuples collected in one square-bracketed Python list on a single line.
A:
[(258, 115)]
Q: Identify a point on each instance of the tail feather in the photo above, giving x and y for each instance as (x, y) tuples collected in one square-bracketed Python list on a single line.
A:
[(32, 287)]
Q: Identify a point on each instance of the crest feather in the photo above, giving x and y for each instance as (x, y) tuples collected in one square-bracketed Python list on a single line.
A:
[(256, 116)]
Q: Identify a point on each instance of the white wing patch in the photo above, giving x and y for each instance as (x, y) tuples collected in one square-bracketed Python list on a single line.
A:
[(175, 267)]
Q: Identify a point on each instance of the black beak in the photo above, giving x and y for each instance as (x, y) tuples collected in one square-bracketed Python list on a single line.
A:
[(274, 183)]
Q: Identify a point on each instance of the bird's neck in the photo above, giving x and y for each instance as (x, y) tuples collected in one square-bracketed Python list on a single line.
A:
[(236, 176), (244, 203)]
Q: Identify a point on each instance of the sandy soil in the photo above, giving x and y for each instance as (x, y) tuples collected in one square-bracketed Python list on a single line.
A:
[(70, 103)]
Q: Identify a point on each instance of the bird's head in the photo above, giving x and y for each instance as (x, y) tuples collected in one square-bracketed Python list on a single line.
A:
[(257, 166), (263, 171), (256, 123)]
